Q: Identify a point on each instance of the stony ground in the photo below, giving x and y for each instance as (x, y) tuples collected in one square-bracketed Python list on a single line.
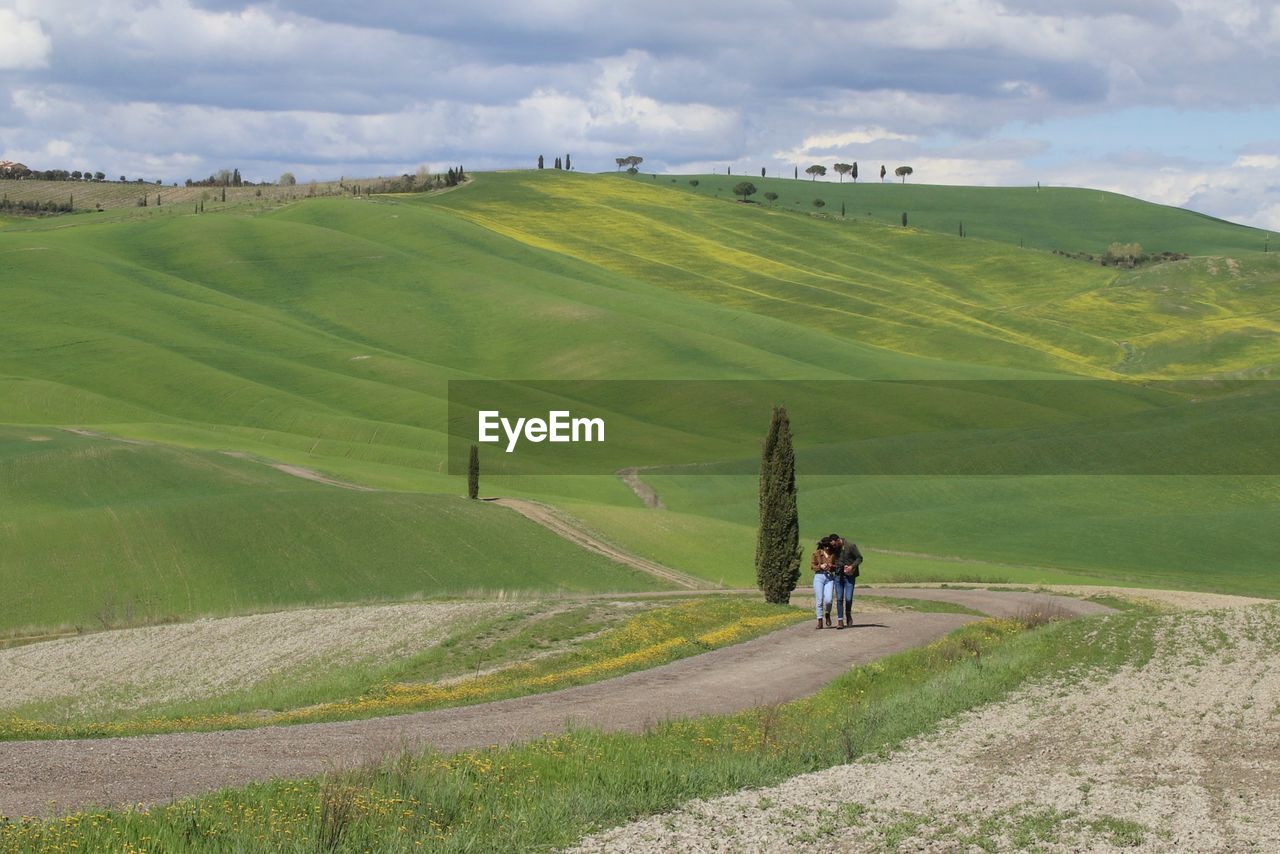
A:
[(135, 668), (1182, 754)]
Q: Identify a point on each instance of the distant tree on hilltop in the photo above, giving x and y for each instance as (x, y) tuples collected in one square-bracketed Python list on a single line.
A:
[(902, 172), (744, 189), (843, 169), (853, 171), (541, 164), (287, 180), (883, 171), (814, 171)]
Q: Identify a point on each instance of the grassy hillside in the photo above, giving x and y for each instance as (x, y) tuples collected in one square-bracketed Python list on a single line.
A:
[(969, 301), (99, 533), (1071, 219), (323, 334)]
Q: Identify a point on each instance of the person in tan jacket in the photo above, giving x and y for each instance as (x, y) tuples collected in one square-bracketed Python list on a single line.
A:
[(823, 565)]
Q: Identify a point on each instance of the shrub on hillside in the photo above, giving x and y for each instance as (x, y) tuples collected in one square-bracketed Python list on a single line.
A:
[(1123, 255)]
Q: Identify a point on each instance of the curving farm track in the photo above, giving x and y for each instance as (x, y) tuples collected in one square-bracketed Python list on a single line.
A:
[(37, 777)]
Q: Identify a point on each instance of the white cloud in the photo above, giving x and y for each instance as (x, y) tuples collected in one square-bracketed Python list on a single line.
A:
[(23, 42), (177, 88)]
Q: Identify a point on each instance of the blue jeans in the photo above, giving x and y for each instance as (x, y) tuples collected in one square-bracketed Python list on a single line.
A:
[(821, 592), (844, 596)]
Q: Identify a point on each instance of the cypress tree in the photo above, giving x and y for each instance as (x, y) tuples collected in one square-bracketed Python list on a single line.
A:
[(567, 165), (540, 164), (473, 473), (778, 540)]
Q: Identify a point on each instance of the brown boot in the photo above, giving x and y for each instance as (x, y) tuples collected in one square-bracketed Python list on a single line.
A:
[(819, 623), (828, 615), (840, 623)]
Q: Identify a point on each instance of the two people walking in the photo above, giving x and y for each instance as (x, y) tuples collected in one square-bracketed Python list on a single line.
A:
[(835, 567)]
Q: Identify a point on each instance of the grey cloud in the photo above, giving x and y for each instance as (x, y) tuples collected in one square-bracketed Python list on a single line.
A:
[(1162, 12)]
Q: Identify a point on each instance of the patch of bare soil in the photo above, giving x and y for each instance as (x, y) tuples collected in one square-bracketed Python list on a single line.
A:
[(1180, 755), (134, 668)]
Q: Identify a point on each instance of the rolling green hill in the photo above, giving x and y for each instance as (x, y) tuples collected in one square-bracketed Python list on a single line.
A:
[(99, 532), (1070, 219), (323, 334)]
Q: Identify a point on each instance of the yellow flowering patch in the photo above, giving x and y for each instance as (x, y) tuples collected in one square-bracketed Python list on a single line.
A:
[(749, 626)]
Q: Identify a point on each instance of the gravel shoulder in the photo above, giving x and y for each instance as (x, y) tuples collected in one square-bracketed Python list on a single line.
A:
[(63, 776), (1182, 754)]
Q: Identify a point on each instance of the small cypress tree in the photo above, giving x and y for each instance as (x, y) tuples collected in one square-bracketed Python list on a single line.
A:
[(567, 165), (540, 163), (904, 219), (778, 540), (473, 473)]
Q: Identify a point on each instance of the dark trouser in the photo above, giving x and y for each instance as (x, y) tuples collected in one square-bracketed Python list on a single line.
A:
[(844, 596)]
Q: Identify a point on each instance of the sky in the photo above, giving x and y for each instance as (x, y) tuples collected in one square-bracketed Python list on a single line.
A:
[(1175, 101)]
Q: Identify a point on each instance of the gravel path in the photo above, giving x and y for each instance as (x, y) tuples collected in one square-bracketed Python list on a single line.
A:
[(1180, 755), (36, 776)]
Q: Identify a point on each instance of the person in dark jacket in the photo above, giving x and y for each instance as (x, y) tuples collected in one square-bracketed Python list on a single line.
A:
[(846, 563)]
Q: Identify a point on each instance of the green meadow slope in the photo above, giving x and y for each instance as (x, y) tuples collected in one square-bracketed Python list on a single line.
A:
[(99, 532), (324, 333), (1070, 219)]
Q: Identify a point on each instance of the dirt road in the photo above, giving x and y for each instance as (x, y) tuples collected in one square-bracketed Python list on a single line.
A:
[(573, 531), (37, 776)]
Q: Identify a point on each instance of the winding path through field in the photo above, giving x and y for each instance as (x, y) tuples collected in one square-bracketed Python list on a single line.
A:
[(572, 530), (37, 777)]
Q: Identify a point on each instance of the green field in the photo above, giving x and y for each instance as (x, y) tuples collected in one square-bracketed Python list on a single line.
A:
[(1070, 219), (323, 333), (101, 533)]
